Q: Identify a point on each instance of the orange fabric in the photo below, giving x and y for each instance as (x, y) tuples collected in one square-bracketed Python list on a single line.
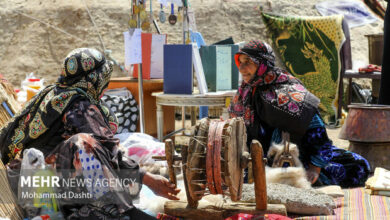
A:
[(146, 45), (146, 42)]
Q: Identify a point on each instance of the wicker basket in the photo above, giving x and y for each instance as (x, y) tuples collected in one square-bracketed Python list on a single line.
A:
[(8, 203), (8, 104)]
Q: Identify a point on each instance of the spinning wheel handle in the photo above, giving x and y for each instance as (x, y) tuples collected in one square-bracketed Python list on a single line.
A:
[(286, 141), (169, 154), (259, 175)]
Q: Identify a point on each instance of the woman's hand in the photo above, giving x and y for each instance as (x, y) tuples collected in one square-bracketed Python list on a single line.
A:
[(313, 173), (161, 186)]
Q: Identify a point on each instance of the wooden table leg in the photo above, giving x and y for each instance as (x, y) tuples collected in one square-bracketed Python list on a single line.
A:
[(160, 121), (193, 116), (183, 117), (259, 175)]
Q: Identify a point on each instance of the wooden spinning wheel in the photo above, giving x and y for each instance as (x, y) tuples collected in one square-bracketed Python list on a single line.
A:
[(214, 161)]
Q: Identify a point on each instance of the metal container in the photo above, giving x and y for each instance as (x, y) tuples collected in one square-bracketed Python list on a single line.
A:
[(367, 128), (367, 123)]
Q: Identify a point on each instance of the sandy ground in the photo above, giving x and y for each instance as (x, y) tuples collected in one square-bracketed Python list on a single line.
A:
[(333, 134), (36, 35)]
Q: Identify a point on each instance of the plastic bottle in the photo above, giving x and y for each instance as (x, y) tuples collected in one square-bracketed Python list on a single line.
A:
[(33, 86)]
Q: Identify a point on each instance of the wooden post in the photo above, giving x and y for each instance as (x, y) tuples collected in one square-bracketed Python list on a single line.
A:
[(259, 175), (184, 153), (169, 153), (160, 122), (216, 210), (193, 116), (183, 117)]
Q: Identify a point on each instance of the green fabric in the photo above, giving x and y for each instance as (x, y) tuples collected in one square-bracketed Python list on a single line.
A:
[(235, 72), (208, 56), (310, 48)]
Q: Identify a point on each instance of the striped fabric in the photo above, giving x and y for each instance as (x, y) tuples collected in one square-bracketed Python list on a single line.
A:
[(358, 205)]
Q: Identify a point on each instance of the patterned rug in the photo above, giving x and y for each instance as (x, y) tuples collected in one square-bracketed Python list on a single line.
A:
[(358, 205), (310, 48)]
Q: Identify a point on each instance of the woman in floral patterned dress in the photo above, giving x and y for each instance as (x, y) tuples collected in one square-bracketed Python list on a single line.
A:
[(75, 131), (272, 101)]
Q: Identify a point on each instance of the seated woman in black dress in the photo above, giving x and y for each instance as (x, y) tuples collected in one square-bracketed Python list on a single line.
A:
[(75, 131), (271, 100)]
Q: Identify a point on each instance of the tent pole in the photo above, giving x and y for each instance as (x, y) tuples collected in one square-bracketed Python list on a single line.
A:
[(140, 86), (184, 21)]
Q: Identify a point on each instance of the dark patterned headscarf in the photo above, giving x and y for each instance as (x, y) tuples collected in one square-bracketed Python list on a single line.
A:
[(259, 52), (283, 91), (85, 75)]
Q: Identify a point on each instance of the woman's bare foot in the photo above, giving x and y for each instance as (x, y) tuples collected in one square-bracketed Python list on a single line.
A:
[(313, 173)]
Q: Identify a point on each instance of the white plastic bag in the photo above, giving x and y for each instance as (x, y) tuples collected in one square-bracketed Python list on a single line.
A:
[(29, 195), (141, 147)]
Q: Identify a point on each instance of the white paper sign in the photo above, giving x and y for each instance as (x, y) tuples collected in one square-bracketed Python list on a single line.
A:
[(133, 50), (199, 69), (157, 56)]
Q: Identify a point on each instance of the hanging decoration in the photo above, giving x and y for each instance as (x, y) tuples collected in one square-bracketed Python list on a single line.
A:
[(179, 12), (162, 15), (145, 25), (133, 21), (143, 15), (172, 18)]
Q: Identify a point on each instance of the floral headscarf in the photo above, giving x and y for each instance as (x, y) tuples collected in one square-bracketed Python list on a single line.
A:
[(85, 74), (280, 89)]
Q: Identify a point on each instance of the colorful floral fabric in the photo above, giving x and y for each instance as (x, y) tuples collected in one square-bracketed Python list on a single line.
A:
[(243, 216)]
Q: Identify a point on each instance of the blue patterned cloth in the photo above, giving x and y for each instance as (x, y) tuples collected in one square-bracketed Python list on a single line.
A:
[(339, 166)]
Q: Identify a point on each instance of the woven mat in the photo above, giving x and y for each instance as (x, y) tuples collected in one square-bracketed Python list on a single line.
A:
[(358, 205)]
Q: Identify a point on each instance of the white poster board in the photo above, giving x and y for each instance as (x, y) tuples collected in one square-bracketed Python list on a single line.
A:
[(157, 56), (133, 51), (199, 69)]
